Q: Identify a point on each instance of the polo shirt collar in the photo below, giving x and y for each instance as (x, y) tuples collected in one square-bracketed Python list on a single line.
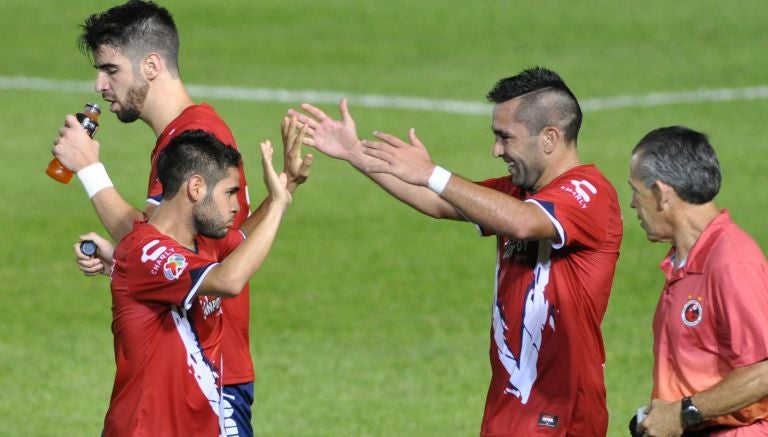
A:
[(697, 256)]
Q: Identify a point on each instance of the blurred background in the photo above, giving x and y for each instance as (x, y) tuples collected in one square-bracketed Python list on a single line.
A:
[(367, 319)]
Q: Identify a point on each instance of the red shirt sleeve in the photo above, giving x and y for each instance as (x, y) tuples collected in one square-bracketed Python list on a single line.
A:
[(160, 270)]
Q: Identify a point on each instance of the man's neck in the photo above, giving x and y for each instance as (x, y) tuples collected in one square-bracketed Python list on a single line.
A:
[(174, 222), (565, 160), (166, 101), (689, 224)]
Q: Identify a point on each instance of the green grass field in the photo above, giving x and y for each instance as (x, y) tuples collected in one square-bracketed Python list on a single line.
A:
[(367, 319)]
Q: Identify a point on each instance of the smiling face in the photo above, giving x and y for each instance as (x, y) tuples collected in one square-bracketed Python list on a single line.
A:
[(646, 202), (216, 211), (514, 144), (119, 83)]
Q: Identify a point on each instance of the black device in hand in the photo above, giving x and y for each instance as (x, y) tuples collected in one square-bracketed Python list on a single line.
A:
[(88, 247)]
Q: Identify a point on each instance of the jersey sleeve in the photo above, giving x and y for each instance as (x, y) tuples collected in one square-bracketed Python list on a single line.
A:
[(578, 209), (161, 271)]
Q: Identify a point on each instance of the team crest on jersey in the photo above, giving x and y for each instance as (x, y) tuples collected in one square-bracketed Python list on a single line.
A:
[(174, 266), (692, 312)]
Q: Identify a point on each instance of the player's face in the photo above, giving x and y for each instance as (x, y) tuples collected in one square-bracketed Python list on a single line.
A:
[(645, 201), (514, 144), (216, 212), (119, 83)]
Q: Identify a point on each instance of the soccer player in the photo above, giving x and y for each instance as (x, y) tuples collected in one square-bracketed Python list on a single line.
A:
[(134, 48), (710, 332), (165, 384), (558, 227)]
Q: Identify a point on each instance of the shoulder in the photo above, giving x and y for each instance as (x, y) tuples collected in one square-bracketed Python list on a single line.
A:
[(733, 245), (585, 185)]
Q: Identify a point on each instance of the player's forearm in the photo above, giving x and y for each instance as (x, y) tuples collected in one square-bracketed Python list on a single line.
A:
[(497, 212), (256, 216), (115, 213), (740, 388), (417, 197), (231, 275)]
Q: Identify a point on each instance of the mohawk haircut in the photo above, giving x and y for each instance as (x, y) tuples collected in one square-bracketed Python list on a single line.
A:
[(545, 101)]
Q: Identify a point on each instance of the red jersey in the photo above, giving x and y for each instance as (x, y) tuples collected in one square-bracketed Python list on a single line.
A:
[(238, 366), (547, 353), (166, 382), (711, 319)]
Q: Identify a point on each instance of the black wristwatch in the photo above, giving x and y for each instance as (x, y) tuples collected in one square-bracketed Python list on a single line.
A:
[(689, 414)]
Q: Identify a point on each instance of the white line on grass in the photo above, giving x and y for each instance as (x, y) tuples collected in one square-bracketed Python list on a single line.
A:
[(402, 102)]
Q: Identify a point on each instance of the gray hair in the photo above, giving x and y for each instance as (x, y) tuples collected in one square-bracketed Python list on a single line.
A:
[(681, 158)]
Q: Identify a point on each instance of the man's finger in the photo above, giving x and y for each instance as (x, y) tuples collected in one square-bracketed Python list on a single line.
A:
[(390, 139), (315, 111)]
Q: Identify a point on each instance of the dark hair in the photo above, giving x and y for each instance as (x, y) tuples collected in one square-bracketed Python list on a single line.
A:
[(682, 158), (135, 28), (194, 152), (545, 101)]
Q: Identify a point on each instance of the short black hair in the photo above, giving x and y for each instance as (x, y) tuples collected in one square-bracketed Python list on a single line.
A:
[(681, 158), (546, 101), (136, 28), (194, 152)]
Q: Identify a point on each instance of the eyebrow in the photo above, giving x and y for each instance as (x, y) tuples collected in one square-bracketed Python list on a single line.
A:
[(105, 66)]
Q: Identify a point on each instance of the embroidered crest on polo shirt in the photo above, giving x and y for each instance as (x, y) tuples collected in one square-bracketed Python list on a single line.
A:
[(692, 312)]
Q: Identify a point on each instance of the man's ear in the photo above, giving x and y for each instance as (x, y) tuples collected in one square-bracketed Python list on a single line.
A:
[(151, 66), (666, 196), (196, 188), (549, 136)]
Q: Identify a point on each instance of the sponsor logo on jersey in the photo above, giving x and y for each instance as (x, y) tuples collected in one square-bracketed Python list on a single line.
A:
[(210, 305), (581, 191), (174, 266), (548, 420), (692, 312)]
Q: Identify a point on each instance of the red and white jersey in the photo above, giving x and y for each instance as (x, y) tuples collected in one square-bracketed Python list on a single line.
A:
[(547, 353), (166, 382), (238, 367), (711, 319)]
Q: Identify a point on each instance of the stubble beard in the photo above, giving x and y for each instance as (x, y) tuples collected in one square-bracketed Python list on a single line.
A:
[(205, 220), (134, 102)]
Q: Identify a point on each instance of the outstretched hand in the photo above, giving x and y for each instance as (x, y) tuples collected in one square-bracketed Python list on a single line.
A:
[(277, 185), (296, 168), (335, 138), (409, 162)]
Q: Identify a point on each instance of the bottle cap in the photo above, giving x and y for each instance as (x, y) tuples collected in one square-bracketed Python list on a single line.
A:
[(88, 248)]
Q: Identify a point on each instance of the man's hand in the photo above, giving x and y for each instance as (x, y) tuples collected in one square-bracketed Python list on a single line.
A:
[(101, 262), (663, 419), (276, 184), (410, 162), (296, 168), (335, 138), (73, 147)]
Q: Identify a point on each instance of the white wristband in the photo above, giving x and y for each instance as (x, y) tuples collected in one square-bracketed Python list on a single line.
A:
[(94, 179), (439, 179)]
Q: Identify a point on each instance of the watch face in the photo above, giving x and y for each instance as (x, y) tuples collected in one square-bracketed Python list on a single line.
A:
[(689, 414)]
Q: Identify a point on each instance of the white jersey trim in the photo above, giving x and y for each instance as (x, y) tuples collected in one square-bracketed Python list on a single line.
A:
[(560, 242), (193, 291), (204, 374)]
